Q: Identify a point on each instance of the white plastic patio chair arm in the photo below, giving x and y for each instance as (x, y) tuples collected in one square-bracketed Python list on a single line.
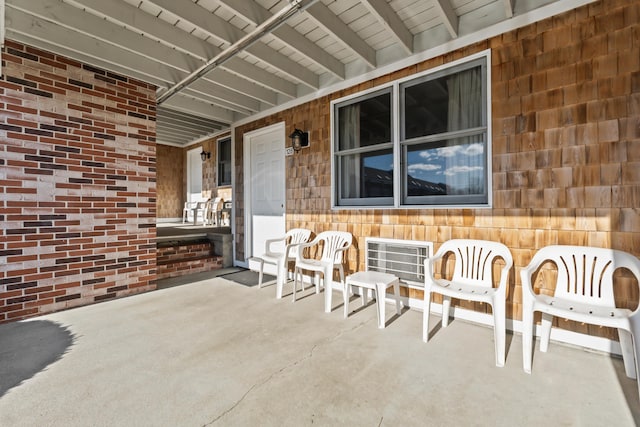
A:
[(503, 287), (526, 273), (302, 246), (339, 251), (269, 242), (428, 266), (288, 248)]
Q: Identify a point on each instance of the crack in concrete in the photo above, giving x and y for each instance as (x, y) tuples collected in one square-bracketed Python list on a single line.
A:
[(284, 368)]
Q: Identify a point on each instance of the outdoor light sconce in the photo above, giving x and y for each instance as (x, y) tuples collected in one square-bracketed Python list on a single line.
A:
[(205, 155), (299, 140)]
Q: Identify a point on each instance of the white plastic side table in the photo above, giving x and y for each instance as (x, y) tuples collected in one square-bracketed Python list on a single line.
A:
[(377, 281)]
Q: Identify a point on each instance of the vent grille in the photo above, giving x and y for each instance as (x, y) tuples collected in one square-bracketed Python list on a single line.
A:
[(402, 258)]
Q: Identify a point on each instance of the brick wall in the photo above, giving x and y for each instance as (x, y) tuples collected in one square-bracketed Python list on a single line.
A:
[(170, 186), (566, 149), (77, 184)]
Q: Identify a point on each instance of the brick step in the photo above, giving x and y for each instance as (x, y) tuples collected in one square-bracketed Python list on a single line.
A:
[(181, 258)]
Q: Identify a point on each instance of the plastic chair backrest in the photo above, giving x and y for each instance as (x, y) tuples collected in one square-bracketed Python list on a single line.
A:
[(296, 236), (474, 260), (332, 241), (585, 274)]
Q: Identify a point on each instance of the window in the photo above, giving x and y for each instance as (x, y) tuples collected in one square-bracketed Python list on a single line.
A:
[(438, 143), (224, 162), (365, 150)]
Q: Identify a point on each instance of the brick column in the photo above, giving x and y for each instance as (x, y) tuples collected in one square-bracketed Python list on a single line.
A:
[(77, 184)]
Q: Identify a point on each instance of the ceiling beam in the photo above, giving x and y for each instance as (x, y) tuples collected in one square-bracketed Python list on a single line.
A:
[(448, 15), (190, 105), (39, 29), (138, 21), (177, 116), (342, 33), (255, 14), (227, 33), (168, 125), (90, 25), (183, 133), (508, 8), (391, 22)]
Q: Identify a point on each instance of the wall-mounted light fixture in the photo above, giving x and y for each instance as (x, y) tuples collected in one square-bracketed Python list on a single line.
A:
[(299, 140), (205, 155)]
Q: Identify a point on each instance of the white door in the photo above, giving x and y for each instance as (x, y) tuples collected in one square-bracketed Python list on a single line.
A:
[(264, 187), (194, 178)]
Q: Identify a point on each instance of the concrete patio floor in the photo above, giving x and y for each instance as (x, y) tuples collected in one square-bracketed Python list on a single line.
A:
[(214, 352)]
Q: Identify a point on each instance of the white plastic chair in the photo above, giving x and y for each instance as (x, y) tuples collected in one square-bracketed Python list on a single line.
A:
[(212, 210), (334, 244), (291, 240), (193, 208), (583, 293), (472, 280)]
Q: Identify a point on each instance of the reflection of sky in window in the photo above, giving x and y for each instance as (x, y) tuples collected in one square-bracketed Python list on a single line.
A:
[(437, 164), (383, 162), (431, 164)]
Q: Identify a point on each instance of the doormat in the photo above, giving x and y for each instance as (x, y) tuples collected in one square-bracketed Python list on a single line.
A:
[(247, 277)]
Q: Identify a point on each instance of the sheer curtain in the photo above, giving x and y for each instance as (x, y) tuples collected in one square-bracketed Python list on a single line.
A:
[(464, 156), (349, 134)]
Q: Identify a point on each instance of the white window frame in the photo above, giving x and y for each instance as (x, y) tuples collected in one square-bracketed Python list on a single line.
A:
[(397, 149)]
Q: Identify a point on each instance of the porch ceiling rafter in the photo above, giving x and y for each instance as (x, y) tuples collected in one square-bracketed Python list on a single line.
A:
[(185, 119), (508, 8), (448, 15), (389, 19), (341, 32), (37, 28), (149, 26), (228, 34), (70, 19), (255, 14)]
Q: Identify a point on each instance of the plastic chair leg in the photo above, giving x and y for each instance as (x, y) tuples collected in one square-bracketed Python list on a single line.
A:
[(280, 276), (499, 330), (628, 356), (364, 295), (426, 310), (380, 305), (328, 291), (260, 273), (296, 271), (396, 292), (634, 329), (446, 305), (345, 298), (527, 336), (545, 332)]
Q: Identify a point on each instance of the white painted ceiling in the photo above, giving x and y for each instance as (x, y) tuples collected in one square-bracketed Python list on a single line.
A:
[(326, 44)]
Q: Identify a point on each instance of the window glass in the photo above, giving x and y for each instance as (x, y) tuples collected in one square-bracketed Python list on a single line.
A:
[(365, 123), (442, 146), (449, 167), (367, 175), (224, 162), (444, 104)]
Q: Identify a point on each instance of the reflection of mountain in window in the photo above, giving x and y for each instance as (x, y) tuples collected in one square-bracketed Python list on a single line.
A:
[(379, 183)]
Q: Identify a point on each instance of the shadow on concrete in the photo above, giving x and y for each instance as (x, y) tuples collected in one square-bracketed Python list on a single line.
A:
[(28, 347)]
